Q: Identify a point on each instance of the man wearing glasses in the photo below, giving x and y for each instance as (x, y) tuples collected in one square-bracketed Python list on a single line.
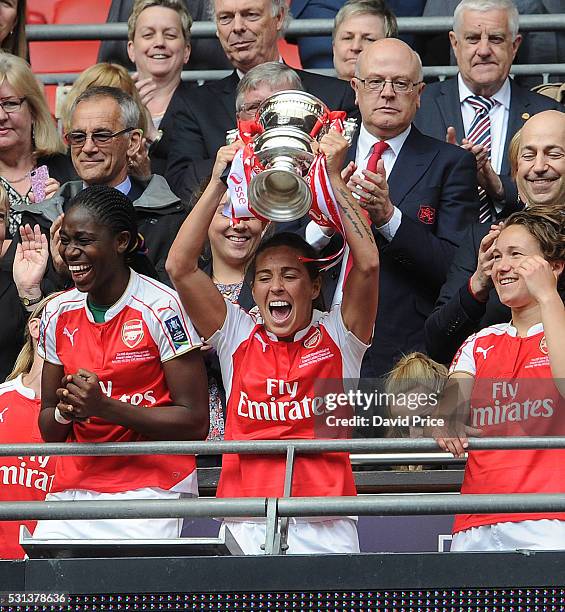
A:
[(103, 134), (419, 192)]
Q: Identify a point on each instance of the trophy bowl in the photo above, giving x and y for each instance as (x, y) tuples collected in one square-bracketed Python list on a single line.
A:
[(280, 192)]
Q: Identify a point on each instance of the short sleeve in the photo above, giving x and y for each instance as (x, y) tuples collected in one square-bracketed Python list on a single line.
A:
[(352, 349), (236, 328), (47, 345), (464, 360), (174, 332)]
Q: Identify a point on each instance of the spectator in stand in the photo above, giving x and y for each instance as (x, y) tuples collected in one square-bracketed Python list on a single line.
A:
[(256, 355), (103, 136), (21, 401), (527, 354), (357, 24), (467, 301), (248, 33), (482, 107), (121, 364), (28, 140), (13, 27), (159, 45), (206, 53), (536, 48), (419, 192), (20, 289), (113, 75)]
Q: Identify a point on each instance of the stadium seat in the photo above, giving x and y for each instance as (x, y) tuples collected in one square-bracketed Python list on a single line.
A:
[(68, 56), (40, 11)]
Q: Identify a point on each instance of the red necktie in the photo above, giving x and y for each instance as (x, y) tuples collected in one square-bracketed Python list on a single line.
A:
[(377, 151)]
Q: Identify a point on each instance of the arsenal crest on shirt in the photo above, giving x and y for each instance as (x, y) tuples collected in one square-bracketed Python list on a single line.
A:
[(132, 332)]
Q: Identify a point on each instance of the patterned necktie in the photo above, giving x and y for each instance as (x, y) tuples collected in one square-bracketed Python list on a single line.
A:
[(479, 133), (377, 151)]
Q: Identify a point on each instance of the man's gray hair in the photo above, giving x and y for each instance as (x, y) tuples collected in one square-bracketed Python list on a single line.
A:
[(129, 110), (278, 7), (482, 6), (275, 75), (377, 8)]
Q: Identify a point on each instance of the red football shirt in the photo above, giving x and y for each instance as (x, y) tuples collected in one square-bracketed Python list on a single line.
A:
[(273, 392), (21, 478), (146, 327), (513, 395)]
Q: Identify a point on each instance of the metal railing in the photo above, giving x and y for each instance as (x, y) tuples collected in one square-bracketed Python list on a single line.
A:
[(310, 27), (301, 27), (277, 511)]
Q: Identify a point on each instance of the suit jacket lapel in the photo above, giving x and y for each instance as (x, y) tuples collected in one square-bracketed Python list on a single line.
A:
[(412, 162), (450, 107), (226, 93)]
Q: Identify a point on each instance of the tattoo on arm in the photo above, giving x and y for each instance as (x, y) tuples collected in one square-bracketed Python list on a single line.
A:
[(350, 212)]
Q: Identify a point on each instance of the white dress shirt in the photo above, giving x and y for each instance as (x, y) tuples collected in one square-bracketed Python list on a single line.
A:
[(498, 119), (316, 236)]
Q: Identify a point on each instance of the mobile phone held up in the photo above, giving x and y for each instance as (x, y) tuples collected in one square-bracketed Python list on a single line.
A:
[(38, 178)]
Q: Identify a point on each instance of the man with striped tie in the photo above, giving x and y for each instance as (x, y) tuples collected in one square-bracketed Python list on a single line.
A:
[(482, 108)]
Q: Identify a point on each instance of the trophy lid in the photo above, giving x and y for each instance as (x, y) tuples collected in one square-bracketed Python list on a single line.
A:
[(291, 108)]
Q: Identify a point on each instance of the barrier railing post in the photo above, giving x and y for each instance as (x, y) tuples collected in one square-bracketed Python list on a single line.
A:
[(272, 544), (287, 492)]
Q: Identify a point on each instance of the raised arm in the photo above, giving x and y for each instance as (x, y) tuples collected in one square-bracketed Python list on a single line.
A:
[(203, 302), (361, 290), (541, 277)]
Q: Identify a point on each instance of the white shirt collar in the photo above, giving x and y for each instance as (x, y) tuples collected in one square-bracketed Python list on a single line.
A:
[(532, 331), (22, 389), (115, 308), (367, 140), (502, 96)]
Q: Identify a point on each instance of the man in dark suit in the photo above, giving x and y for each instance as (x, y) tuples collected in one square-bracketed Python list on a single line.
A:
[(468, 301), (485, 42), (420, 198), (248, 33), (102, 133)]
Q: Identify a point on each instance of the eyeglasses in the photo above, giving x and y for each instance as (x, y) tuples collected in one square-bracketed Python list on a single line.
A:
[(251, 108), (100, 138), (12, 105), (399, 86)]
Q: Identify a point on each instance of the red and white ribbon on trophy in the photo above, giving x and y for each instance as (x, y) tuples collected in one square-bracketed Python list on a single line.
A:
[(245, 166)]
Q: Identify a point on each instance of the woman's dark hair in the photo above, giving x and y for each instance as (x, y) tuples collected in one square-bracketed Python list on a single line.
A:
[(114, 210), (297, 243)]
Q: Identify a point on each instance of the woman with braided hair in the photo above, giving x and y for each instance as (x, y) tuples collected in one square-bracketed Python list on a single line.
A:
[(511, 377), (120, 366)]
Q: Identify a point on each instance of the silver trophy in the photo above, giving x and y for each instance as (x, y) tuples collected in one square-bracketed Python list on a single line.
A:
[(280, 192)]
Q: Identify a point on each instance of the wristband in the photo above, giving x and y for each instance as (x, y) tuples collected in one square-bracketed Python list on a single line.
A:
[(60, 418)]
